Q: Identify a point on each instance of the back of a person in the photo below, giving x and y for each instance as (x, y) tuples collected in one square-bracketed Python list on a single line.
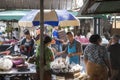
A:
[(58, 44), (115, 55), (55, 34), (95, 64), (95, 53), (95, 56)]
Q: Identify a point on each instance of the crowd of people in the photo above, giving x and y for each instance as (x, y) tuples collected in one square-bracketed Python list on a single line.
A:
[(101, 62)]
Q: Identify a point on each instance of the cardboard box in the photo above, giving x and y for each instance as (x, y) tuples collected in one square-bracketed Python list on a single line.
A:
[(62, 35)]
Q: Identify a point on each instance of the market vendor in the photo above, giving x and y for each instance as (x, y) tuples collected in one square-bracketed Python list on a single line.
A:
[(49, 57), (27, 44), (73, 49)]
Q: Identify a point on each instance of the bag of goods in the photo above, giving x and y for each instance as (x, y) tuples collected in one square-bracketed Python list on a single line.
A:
[(5, 64), (75, 67), (18, 61), (22, 66), (58, 63), (84, 77)]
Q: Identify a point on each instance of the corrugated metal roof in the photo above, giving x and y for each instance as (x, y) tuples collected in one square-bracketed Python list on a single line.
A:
[(35, 4)]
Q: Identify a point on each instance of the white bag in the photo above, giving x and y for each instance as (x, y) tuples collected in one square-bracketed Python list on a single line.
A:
[(5, 64), (67, 60)]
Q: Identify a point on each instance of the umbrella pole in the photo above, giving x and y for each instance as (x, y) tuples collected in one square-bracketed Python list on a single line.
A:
[(41, 40)]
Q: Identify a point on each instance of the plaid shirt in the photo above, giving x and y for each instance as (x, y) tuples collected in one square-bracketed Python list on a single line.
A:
[(96, 54)]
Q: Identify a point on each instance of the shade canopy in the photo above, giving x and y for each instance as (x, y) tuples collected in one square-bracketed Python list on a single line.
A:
[(100, 7), (13, 14), (51, 17)]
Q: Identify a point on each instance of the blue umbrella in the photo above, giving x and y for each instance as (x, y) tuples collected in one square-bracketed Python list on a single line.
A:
[(51, 17)]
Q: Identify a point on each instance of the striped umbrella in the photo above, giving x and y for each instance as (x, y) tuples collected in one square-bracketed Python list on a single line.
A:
[(51, 17)]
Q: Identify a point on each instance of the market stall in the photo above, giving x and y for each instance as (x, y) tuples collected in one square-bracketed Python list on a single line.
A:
[(16, 67), (61, 67)]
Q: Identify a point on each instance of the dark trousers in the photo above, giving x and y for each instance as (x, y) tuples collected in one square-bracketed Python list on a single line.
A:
[(115, 74)]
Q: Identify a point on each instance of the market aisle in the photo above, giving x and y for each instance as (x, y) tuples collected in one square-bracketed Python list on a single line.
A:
[(82, 64)]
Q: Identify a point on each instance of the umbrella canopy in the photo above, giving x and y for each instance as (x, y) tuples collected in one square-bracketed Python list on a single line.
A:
[(12, 14), (51, 17)]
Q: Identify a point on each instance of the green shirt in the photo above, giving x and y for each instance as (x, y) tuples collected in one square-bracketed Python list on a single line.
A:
[(48, 57)]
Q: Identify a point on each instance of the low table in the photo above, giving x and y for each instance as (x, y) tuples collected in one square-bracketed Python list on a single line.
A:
[(68, 75), (14, 72)]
